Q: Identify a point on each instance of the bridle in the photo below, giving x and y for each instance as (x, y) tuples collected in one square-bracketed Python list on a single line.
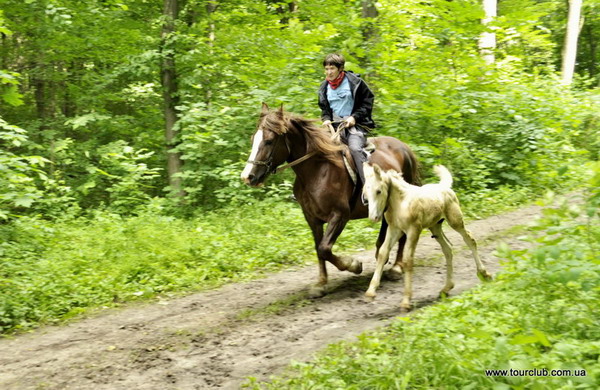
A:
[(269, 161)]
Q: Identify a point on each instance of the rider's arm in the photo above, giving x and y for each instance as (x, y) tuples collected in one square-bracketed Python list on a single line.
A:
[(364, 100), (326, 113)]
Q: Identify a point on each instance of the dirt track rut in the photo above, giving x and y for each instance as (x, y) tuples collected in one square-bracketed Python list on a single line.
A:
[(216, 339)]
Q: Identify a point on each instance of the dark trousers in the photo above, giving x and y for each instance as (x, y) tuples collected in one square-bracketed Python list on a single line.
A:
[(356, 139)]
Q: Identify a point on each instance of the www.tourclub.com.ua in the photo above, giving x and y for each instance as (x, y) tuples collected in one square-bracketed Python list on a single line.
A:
[(535, 372)]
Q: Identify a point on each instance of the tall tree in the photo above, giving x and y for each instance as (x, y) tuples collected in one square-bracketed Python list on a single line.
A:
[(570, 47), (487, 41), (170, 94), (369, 13)]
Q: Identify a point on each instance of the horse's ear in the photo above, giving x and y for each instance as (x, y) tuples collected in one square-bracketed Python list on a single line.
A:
[(377, 170), (265, 108), (280, 111)]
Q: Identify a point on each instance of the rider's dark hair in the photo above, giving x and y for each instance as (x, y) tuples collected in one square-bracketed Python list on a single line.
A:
[(335, 59)]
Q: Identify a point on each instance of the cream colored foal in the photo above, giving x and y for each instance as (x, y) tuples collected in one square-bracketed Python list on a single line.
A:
[(409, 209)]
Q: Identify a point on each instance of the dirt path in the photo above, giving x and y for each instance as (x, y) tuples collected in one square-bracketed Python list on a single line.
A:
[(216, 339)]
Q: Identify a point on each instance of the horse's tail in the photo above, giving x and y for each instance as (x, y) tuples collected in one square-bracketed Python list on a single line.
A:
[(411, 172), (444, 175)]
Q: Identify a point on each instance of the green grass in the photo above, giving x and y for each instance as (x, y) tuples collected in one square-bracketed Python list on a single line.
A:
[(541, 313)]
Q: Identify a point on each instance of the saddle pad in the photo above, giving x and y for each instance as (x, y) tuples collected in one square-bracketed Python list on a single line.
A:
[(350, 167)]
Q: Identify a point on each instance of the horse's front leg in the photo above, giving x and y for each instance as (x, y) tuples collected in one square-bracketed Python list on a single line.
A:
[(382, 258), (335, 226), (316, 226)]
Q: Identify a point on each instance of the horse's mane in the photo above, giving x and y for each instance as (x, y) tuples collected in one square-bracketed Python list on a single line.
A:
[(317, 138)]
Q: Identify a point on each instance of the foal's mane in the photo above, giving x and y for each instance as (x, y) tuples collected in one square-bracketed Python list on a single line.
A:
[(318, 139)]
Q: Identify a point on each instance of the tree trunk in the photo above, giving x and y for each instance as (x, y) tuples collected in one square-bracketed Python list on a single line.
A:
[(369, 13), (592, 47), (170, 97), (487, 41), (286, 11), (570, 47), (211, 7)]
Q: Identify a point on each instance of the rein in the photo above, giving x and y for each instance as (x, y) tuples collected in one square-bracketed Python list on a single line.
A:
[(308, 155), (295, 162)]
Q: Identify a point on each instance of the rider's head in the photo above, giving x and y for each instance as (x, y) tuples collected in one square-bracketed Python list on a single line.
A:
[(336, 60), (333, 64)]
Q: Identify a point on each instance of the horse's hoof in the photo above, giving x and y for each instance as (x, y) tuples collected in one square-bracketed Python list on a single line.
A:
[(446, 290), (370, 296), (355, 265), (317, 291), (484, 276), (405, 307), (394, 274)]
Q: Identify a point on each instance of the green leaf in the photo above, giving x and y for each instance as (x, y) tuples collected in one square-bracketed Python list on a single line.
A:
[(542, 338), (12, 96), (24, 201)]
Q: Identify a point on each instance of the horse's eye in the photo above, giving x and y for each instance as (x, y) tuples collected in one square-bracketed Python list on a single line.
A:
[(378, 192), (268, 142)]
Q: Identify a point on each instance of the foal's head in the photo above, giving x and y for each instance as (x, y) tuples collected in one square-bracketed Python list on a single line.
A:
[(376, 190), (268, 146)]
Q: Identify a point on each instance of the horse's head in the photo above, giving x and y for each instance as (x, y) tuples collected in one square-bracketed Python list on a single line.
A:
[(268, 146), (376, 190)]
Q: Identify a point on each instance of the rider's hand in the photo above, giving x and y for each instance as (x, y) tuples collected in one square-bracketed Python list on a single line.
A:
[(327, 123), (350, 121)]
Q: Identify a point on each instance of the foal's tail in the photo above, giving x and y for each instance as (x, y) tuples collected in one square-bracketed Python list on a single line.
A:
[(444, 175)]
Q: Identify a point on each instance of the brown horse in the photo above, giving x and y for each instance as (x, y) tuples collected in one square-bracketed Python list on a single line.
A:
[(323, 187)]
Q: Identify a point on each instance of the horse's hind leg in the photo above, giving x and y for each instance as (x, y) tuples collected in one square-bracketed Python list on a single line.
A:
[(438, 234), (455, 220)]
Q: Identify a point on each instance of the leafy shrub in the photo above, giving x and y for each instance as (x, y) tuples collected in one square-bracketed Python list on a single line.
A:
[(25, 184)]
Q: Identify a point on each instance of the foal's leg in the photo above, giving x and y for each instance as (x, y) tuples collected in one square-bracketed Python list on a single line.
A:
[(412, 238), (438, 234), (395, 273), (382, 258), (381, 236), (455, 220)]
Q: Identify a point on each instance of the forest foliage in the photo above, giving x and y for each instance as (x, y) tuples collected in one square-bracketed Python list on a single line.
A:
[(84, 152), (82, 115)]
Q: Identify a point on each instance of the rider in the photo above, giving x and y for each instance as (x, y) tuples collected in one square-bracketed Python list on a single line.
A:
[(346, 99)]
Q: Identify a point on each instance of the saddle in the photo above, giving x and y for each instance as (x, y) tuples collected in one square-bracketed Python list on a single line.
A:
[(347, 157), (349, 163)]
